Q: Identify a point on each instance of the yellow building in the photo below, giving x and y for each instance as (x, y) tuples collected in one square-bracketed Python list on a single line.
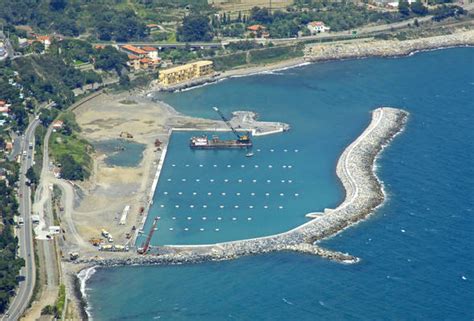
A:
[(179, 74)]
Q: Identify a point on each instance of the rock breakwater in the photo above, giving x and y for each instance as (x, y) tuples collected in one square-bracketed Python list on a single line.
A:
[(386, 48), (364, 194)]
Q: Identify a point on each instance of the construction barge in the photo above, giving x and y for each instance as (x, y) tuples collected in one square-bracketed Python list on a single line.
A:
[(203, 142)]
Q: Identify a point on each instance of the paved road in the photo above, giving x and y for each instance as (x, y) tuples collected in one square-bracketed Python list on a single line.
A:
[(25, 289)]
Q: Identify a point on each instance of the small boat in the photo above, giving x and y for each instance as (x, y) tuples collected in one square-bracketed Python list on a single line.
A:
[(249, 154)]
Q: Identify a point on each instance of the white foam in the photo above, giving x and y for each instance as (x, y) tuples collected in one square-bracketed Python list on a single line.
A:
[(280, 207), (234, 219), (169, 179), (189, 218), (229, 166), (173, 218), (201, 229), (271, 150), (204, 206), (282, 180), (285, 150), (253, 194), (177, 206), (183, 180), (236, 206), (270, 166), (226, 180), (267, 194), (282, 194), (84, 275), (265, 206), (174, 165), (240, 181), (194, 193), (166, 193), (187, 165), (211, 180), (209, 193), (214, 165), (250, 206), (162, 206), (198, 180), (289, 166), (217, 230), (242, 166), (296, 151), (238, 194), (186, 229), (256, 166), (223, 194), (249, 218), (258, 150), (254, 181), (201, 165), (221, 206), (191, 206), (296, 194), (204, 218), (170, 228), (180, 193), (219, 218)]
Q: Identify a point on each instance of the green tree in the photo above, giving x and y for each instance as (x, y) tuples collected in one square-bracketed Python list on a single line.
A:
[(71, 169), (404, 7), (419, 9), (31, 176), (195, 27)]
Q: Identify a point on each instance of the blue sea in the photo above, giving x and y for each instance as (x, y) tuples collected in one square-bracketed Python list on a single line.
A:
[(417, 250)]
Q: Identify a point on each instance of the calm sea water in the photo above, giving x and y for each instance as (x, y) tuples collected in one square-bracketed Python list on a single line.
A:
[(417, 257)]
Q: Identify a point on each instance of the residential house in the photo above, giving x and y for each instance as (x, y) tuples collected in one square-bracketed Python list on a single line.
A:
[(153, 26), (45, 40), (134, 51), (317, 27), (152, 52), (58, 124), (258, 31)]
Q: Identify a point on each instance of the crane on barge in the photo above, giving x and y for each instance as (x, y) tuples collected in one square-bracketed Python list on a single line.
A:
[(203, 142), (146, 246), (241, 138)]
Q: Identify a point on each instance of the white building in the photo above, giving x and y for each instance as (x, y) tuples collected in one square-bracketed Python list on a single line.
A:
[(317, 27)]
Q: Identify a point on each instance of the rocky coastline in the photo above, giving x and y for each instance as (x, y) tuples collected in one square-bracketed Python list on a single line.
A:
[(386, 48), (364, 194)]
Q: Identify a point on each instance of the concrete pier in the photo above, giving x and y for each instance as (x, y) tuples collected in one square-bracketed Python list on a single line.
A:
[(364, 194)]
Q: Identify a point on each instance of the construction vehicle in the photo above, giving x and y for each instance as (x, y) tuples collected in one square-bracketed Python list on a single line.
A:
[(146, 245), (203, 142), (95, 241), (126, 135)]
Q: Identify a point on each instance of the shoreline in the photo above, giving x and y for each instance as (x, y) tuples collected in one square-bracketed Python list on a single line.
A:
[(360, 158), (337, 51), (355, 169)]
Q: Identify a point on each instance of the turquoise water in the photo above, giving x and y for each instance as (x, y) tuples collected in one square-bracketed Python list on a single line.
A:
[(416, 251), (121, 152)]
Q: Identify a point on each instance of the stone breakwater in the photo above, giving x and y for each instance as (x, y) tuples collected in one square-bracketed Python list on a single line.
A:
[(386, 48), (364, 194)]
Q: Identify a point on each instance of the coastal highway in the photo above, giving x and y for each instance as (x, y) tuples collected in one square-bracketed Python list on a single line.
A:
[(24, 291)]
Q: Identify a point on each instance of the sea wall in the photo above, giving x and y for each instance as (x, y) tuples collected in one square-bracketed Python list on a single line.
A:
[(385, 48), (364, 193)]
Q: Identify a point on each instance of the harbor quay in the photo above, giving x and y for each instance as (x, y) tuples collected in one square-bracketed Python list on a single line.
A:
[(364, 193)]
